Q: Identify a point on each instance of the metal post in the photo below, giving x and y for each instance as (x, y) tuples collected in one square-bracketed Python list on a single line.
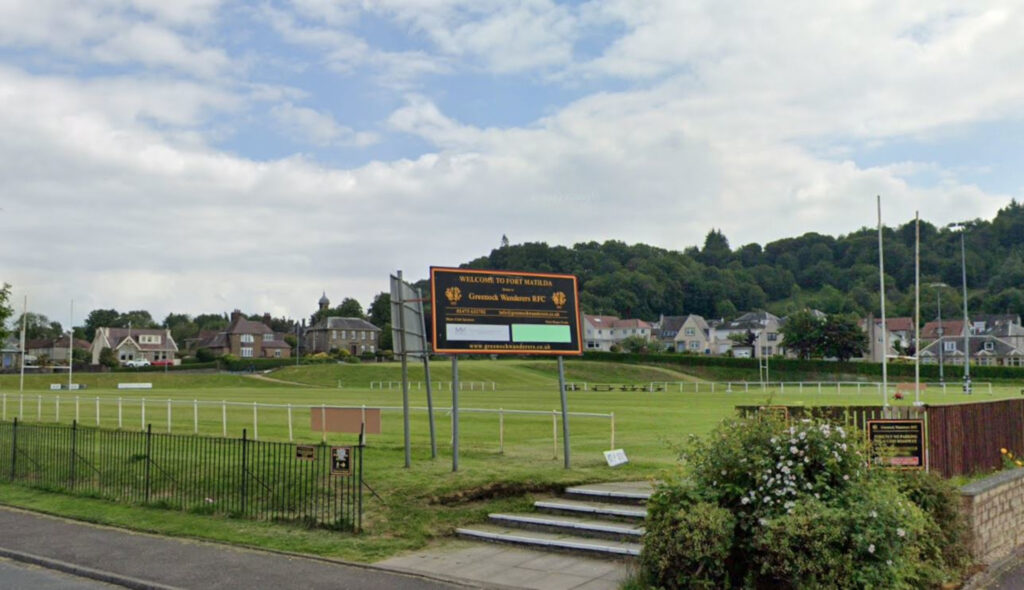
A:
[(244, 479), (323, 423), (881, 295), (120, 414), (405, 372), (455, 412), (149, 448), (501, 431), (97, 410), (290, 435), (255, 423), (612, 416), (224, 418), (917, 308), (554, 434), (56, 416), (144, 415), (169, 415), (967, 324), (195, 416), (565, 409), (14, 448)]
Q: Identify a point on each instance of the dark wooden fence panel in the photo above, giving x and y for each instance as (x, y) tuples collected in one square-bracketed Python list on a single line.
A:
[(967, 438)]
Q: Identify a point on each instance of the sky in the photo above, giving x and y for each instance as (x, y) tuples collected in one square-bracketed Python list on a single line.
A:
[(199, 156)]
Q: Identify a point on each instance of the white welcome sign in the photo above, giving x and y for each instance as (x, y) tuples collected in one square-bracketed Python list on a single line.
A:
[(615, 457)]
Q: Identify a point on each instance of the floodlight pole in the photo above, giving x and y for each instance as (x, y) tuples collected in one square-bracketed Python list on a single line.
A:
[(71, 342), (24, 317), (565, 411), (917, 308), (967, 325), (881, 294)]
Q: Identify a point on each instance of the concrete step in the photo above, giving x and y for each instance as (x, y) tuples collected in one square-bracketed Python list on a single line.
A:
[(623, 492), (607, 510), (571, 525), (551, 541)]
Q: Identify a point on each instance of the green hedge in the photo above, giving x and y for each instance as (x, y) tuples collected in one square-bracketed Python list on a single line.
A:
[(160, 368), (786, 365)]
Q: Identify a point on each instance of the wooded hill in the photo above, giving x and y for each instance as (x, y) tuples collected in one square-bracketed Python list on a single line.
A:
[(832, 274)]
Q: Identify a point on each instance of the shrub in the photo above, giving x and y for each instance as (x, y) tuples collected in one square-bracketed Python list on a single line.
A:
[(803, 511), (687, 541), (205, 355)]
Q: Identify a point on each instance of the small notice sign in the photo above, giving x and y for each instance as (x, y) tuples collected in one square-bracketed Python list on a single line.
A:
[(341, 460), (902, 441), (615, 457), (305, 452)]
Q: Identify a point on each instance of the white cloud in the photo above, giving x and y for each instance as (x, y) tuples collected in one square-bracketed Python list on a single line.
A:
[(318, 128)]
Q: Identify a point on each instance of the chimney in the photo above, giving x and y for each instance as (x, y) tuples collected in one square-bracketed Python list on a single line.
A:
[(235, 315)]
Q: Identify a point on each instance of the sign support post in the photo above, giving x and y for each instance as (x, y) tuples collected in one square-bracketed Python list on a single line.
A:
[(426, 375), (405, 375), (565, 410), (455, 412)]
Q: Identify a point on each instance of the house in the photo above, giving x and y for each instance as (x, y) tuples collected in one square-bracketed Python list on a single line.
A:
[(246, 338), (131, 344), (601, 332), (762, 325), (694, 336), (666, 328), (932, 331), (53, 349), (354, 335), (10, 354), (878, 336), (985, 350)]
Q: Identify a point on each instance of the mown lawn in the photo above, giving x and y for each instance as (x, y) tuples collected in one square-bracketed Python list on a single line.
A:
[(426, 502)]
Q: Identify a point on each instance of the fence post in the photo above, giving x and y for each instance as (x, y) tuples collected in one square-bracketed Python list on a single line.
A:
[(323, 423), (39, 408), (612, 415), (501, 431), (224, 418), (97, 410), (244, 481), (554, 433), (21, 407), (195, 416), (119, 414), (144, 418), (14, 448), (290, 437), (74, 441), (77, 414), (5, 406), (168, 415), (149, 449), (56, 412), (255, 423)]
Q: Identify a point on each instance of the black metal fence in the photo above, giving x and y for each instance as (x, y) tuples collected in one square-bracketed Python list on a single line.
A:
[(238, 477)]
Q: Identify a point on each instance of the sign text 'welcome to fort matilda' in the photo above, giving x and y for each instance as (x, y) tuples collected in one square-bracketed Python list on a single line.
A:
[(499, 312)]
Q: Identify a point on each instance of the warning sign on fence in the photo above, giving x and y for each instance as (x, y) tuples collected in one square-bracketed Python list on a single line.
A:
[(897, 443), (341, 460)]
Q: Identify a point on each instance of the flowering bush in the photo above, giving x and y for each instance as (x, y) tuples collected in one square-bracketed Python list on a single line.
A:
[(1009, 460), (806, 513)]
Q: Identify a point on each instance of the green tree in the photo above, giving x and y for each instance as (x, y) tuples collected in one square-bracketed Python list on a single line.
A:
[(108, 358), (348, 308), (639, 344), (211, 321), (380, 310), (802, 334), (38, 326), (181, 326), (842, 338), (5, 310), (100, 318), (138, 318)]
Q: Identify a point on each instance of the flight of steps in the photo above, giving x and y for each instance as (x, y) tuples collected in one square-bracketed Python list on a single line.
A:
[(598, 519)]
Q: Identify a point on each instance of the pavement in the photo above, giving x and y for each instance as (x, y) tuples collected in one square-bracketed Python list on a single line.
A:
[(144, 561)]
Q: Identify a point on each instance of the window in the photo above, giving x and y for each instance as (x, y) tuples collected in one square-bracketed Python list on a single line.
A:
[(690, 331), (695, 345), (268, 337), (344, 334), (246, 352), (149, 339), (334, 334), (949, 346), (989, 346), (247, 338), (277, 353), (772, 336)]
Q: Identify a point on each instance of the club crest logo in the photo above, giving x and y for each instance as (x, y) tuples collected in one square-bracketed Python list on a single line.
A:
[(559, 299), (454, 295)]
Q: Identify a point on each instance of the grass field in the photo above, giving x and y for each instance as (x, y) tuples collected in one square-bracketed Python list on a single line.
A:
[(427, 500)]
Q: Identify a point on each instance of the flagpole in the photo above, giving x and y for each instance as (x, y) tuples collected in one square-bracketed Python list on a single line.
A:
[(71, 343), (24, 317)]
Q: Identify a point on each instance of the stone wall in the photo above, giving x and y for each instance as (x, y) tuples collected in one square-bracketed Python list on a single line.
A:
[(995, 509)]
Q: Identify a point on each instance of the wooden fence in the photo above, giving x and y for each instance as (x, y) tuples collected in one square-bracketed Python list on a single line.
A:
[(962, 438)]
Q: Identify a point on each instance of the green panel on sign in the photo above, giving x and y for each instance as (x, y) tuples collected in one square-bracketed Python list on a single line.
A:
[(541, 333)]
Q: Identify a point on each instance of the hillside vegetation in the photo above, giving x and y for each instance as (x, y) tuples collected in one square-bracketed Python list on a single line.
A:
[(833, 274)]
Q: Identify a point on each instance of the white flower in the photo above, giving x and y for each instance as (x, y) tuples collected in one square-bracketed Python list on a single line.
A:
[(745, 500), (846, 477), (888, 562), (875, 515), (762, 521), (871, 548), (901, 532), (723, 472), (803, 435), (793, 450)]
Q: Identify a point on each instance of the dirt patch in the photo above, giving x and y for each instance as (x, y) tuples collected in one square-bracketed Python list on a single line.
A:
[(495, 490)]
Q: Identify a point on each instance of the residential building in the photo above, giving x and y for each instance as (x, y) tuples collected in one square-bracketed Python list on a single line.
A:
[(878, 336), (985, 350), (666, 328), (601, 332), (152, 344), (694, 336), (10, 354), (245, 339), (53, 349), (354, 335), (762, 325)]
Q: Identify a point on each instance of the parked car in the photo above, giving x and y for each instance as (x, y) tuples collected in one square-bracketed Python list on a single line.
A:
[(136, 363)]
